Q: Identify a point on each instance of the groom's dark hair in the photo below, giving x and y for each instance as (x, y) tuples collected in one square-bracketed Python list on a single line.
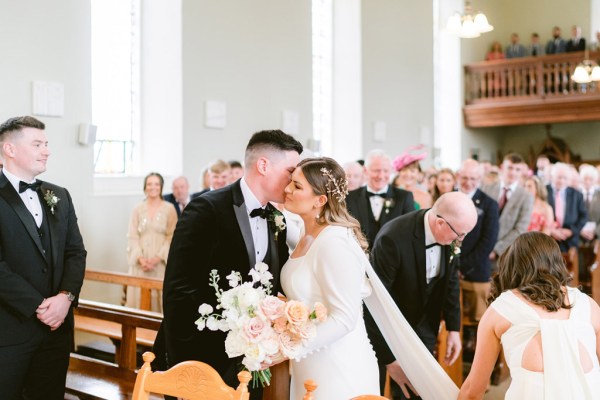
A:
[(270, 140)]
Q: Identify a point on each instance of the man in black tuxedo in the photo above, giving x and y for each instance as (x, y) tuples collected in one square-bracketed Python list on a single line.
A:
[(42, 264), (181, 194), (475, 264), (569, 208), (415, 256), (222, 230), (378, 202)]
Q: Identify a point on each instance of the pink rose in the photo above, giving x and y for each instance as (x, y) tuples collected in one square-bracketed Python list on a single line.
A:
[(296, 312), (305, 331), (254, 328), (280, 324), (272, 307), (289, 346), (320, 312)]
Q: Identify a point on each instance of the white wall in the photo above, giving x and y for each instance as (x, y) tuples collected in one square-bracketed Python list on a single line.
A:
[(397, 39), (254, 56)]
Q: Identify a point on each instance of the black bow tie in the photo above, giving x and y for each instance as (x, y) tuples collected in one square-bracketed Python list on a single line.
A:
[(23, 186), (429, 246), (260, 212), (371, 194)]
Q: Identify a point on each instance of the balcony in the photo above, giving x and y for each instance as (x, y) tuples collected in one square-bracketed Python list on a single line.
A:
[(530, 90)]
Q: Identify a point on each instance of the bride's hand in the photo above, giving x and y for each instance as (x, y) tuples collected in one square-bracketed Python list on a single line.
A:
[(398, 375)]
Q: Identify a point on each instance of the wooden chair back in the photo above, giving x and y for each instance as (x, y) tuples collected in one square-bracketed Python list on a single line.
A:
[(193, 380), (311, 386), (369, 397)]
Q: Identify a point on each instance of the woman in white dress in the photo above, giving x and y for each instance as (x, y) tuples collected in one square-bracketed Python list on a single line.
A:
[(550, 333), (329, 266)]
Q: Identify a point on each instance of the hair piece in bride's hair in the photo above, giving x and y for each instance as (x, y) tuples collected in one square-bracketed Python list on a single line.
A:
[(336, 187)]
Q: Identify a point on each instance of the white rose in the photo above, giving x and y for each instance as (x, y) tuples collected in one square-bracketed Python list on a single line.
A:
[(279, 221), (248, 296), (235, 344), (205, 309), (254, 356)]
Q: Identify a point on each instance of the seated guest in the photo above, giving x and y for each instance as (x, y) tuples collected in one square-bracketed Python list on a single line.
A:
[(219, 175), (444, 183), (181, 194), (591, 230), (542, 168), (569, 210), (542, 216), (150, 232), (550, 333), (535, 47), (576, 43), (237, 170), (475, 266), (378, 202), (355, 173), (495, 52), (515, 49), (409, 170)]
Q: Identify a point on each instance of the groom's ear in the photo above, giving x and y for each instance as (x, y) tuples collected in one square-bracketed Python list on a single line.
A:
[(262, 165)]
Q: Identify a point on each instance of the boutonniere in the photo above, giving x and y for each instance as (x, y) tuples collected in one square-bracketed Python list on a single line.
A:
[(454, 250), (51, 200), (388, 203), (277, 221)]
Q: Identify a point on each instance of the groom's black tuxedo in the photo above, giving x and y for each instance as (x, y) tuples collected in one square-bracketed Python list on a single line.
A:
[(35, 264), (398, 257), (213, 233), (397, 202)]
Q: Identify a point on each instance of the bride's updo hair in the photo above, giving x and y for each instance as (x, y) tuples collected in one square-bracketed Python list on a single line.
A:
[(534, 266), (327, 177)]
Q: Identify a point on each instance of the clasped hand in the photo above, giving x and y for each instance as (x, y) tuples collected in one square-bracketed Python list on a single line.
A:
[(148, 264), (53, 310)]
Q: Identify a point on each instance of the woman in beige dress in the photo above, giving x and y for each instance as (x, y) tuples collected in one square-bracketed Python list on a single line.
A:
[(150, 232)]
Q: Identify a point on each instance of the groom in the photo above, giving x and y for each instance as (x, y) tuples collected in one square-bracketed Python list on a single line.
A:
[(414, 257), (222, 230)]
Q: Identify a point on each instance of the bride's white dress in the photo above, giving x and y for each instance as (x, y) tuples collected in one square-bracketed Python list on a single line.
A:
[(340, 359)]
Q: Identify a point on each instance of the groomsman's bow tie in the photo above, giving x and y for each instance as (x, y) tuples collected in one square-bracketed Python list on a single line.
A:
[(23, 186), (429, 246), (380, 194), (260, 212)]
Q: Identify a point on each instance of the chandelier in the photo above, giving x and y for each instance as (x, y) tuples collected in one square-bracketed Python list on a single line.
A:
[(469, 24), (587, 71)]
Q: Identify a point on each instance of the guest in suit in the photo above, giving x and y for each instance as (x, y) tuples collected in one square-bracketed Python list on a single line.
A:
[(416, 257), (219, 176), (556, 44), (591, 230), (515, 49), (377, 203), (535, 47), (410, 175), (228, 229), (42, 264), (181, 194), (514, 203), (568, 206), (237, 170), (475, 266), (576, 43), (355, 173)]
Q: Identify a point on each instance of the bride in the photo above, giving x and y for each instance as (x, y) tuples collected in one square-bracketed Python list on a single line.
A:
[(329, 265)]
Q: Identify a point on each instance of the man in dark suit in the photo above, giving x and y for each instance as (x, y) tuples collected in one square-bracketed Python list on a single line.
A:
[(557, 44), (42, 264), (569, 209), (228, 230), (181, 194), (475, 265), (378, 202), (576, 43), (416, 257)]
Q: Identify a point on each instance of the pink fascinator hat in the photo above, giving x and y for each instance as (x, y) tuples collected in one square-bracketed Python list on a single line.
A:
[(407, 158)]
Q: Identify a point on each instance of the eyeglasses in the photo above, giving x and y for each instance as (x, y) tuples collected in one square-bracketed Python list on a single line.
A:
[(459, 236)]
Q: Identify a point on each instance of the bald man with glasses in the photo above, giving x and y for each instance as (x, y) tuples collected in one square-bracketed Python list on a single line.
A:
[(416, 257)]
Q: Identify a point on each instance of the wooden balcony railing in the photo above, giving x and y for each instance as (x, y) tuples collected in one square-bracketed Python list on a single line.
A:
[(529, 90)]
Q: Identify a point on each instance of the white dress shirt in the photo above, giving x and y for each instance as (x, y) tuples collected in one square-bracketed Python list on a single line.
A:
[(30, 198), (377, 201), (433, 254), (258, 225)]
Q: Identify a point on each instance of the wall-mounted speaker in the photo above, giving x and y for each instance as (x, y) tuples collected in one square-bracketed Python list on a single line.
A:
[(87, 134)]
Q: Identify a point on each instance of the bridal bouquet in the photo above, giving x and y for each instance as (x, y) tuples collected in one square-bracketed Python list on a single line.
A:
[(261, 327)]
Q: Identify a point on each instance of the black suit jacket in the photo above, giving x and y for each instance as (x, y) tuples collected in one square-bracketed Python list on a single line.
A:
[(171, 199), (398, 257), (212, 233), (571, 46), (398, 202), (24, 268), (474, 258), (575, 215)]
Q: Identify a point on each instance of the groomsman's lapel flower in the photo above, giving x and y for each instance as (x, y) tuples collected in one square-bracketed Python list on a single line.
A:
[(454, 250), (277, 221), (51, 200), (388, 204)]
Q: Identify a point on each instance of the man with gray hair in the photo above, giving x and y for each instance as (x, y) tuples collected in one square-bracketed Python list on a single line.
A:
[(378, 202), (416, 258), (355, 173)]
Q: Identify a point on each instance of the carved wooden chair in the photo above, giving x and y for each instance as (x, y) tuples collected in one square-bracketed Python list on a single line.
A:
[(311, 386), (191, 380)]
